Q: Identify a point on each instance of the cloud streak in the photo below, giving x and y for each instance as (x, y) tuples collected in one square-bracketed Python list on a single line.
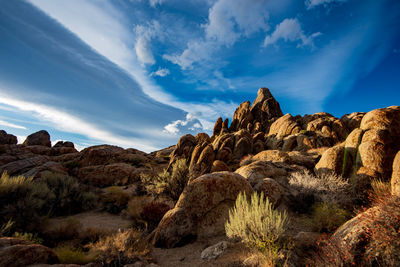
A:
[(11, 125), (290, 30)]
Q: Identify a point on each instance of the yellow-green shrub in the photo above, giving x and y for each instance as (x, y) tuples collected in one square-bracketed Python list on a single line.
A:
[(71, 255), (29, 237), (169, 184), (257, 224), (327, 217)]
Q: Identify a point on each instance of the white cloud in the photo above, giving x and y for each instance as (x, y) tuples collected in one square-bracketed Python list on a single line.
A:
[(190, 123), (160, 72), (144, 35), (313, 3), (12, 125), (68, 123), (228, 21), (104, 28), (154, 3), (290, 30), (21, 138)]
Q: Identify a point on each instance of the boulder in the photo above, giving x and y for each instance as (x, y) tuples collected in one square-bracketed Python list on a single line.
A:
[(201, 210), (64, 144), (217, 127), (213, 252), (256, 171), (219, 166), (100, 155), (22, 166), (353, 120), (395, 181), (41, 138), (284, 126), (7, 139), (271, 189), (334, 160), (272, 155), (17, 252), (241, 117)]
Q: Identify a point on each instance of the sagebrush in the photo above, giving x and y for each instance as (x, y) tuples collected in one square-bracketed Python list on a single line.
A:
[(257, 224), (170, 184), (328, 188)]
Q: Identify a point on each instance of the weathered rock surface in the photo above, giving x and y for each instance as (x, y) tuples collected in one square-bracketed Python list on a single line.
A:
[(395, 181), (7, 139), (201, 210), (334, 160), (17, 252), (284, 126), (40, 138)]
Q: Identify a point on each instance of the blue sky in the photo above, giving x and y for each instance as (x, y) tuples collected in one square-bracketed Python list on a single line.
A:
[(141, 73)]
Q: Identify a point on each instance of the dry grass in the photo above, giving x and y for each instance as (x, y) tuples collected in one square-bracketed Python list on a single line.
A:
[(327, 217), (71, 255), (121, 248), (327, 188)]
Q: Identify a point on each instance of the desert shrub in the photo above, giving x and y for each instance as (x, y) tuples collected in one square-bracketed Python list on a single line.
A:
[(145, 210), (380, 190), (328, 188), (257, 224), (120, 248), (153, 212), (383, 248), (169, 184), (66, 230), (6, 228), (71, 255), (68, 196), (29, 237), (327, 217), (115, 199), (22, 198)]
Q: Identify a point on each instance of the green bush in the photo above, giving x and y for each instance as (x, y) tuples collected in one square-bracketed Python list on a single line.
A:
[(26, 201), (169, 184), (22, 201), (257, 224), (67, 195), (327, 217)]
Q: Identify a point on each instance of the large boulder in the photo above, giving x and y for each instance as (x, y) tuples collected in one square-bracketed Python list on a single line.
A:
[(7, 139), (19, 167), (40, 138), (284, 126), (201, 210), (353, 120), (335, 160), (16, 252), (217, 127), (265, 107), (395, 182), (258, 170)]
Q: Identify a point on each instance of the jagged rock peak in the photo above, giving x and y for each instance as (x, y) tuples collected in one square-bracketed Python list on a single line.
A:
[(262, 95)]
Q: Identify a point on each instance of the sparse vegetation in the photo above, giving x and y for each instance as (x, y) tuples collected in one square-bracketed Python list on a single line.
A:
[(120, 248), (29, 237), (169, 184), (72, 255), (327, 188), (327, 217), (257, 224), (115, 199)]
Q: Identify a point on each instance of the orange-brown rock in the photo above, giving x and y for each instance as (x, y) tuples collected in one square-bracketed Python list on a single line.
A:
[(256, 171), (201, 210), (395, 181), (217, 127), (353, 120), (284, 126), (219, 166), (271, 189), (334, 160)]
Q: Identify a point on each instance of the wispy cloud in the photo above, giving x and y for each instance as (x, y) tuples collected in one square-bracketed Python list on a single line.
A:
[(290, 30), (144, 35), (228, 21), (68, 123), (191, 123), (11, 125), (313, 3), (161, 72)]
